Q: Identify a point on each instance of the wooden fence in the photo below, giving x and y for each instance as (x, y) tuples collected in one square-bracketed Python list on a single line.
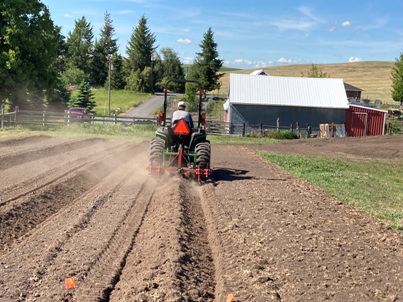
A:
[(46, 118), (213, 125)]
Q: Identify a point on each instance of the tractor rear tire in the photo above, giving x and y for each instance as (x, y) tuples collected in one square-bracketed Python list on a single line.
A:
[(203, 151), (157, 147)]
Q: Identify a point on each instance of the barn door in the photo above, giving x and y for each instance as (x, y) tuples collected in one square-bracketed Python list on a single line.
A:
[(359, 122)]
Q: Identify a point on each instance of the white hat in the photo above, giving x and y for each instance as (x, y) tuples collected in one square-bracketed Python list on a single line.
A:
[(181, 104)]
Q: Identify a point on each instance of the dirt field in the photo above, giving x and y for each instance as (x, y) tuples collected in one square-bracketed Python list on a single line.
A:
[(87, 209)]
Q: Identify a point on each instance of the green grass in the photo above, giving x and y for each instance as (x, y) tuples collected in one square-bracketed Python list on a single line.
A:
[(228, 69), (231, 139), (18, 132), (374, 186), (123, 99), (115, 132), (187, 67)]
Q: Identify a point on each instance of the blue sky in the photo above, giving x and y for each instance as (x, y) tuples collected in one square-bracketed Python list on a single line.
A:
[(255, 33)]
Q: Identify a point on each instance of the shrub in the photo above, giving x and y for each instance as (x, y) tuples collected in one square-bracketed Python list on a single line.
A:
[(274, 134)]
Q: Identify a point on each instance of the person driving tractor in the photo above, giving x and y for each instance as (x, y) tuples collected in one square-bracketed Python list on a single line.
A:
[(181, 113)]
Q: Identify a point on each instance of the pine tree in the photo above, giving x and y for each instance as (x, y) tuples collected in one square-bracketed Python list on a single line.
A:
[(207, 64), (80, 46), (104, 49), (397, 80), (84, 98), (117, 74), (140, 50)]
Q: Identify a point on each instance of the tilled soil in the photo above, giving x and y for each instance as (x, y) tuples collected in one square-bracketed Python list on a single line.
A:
[(87, 209)]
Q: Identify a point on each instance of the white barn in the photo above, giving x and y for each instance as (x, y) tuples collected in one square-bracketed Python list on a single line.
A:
[(256, 100)]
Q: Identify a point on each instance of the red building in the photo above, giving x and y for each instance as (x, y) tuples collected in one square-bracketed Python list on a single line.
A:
[(362, 121)]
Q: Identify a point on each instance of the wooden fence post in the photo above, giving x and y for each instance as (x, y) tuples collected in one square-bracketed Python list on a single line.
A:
[(16, 115), (43, 118), (278, 124), (298, 130), (243, 129)]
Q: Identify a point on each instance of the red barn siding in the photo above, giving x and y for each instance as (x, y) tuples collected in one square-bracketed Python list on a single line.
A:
[(361, 121)]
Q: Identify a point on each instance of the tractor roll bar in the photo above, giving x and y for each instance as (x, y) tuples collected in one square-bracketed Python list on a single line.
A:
[(183, 81)]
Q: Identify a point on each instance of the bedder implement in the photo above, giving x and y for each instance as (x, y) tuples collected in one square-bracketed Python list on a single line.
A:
[(178, 148)]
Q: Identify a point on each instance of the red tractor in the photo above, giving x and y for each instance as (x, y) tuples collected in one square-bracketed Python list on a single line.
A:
[(178, 148)]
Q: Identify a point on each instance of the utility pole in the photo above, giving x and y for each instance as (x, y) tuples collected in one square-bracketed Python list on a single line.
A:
[(109, 83)]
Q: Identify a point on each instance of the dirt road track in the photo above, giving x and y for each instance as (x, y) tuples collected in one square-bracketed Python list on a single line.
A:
[(87, 209)]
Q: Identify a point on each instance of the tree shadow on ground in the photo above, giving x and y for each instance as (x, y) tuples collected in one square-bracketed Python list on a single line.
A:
[(225, 174)]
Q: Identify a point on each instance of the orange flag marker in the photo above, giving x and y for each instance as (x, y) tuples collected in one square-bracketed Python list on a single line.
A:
[(70, 283), (230, 298)]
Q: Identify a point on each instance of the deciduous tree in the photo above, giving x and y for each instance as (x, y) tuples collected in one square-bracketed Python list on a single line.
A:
[(316, 72), (28, 44), (172, 69), (397, 80)]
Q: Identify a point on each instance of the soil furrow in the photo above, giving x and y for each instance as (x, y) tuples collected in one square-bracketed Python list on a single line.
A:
[(196, 265), (31, 209), (102, 276), (256, 232), (18, 158), (24, 141), (150, 270), (38, 173), (75, 247)]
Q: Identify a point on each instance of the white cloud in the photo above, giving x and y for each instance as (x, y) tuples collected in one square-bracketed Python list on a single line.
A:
[(247, 64), (292, 24), (284, 60), (124, 12), (375, 24), (68, 16), (307, 22), (184, 41), (242, 61), (354, 59), (336, 25), (188, 60), (346, 24), (308, 13), (332, 27)]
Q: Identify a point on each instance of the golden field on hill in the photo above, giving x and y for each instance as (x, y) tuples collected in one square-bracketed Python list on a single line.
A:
[(374, 78)]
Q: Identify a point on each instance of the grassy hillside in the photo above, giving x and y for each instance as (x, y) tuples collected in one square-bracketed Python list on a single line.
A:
[(372, 77)]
